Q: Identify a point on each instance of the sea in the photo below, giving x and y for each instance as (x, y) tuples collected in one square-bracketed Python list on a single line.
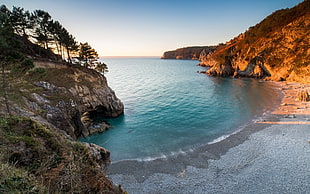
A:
[(172, 109)]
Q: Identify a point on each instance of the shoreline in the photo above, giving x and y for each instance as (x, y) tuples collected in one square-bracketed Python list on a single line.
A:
[(137, 176)]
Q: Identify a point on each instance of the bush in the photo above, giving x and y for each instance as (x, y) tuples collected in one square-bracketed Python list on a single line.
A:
[(38, 73), (27, 64)]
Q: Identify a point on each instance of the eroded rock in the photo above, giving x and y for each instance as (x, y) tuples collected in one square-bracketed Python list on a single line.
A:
[(62, 103), (303, 96)]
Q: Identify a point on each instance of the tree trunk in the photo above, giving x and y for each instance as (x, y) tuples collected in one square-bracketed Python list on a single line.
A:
[(63, 53), (69, 58), (4, 89), (57, 47), (46, 44)]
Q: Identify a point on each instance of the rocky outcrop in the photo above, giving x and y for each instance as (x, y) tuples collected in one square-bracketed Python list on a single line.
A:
[(303, 96), (275, 49), (254, 69), (221, 69), (70, 98), (99, 154), (53, 105), (38, 159), (192, 53)]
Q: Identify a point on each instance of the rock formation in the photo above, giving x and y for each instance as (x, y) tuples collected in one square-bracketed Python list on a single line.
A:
[(54, 105), (47, 105), (278, 48), (303, 96), (188, 52), (70, 98)]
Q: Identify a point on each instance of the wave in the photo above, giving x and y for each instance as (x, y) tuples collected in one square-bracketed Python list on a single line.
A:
[(161, 157), (191, 150)]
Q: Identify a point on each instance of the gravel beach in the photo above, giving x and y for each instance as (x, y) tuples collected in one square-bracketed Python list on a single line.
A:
[(267, 156)]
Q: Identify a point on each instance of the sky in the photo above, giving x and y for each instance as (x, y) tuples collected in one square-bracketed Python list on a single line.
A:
[(151, 27)]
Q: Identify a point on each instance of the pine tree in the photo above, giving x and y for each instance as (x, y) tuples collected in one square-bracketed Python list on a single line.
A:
[(20, 21), (87, 55), (42, 31)]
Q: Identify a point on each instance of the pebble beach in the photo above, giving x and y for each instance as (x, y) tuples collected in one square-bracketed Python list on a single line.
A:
[(271, 155)]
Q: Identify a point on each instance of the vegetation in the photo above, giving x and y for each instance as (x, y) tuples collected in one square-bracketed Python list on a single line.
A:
[(23, 27), (36, 34), (36, 159), (187, 52), (276, 21), (280, 42), (33, 157)]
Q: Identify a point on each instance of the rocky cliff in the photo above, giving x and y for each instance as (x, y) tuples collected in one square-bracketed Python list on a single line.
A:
[(45, 105), (54, 104), (188, 52), (278, 48), (70, 98)]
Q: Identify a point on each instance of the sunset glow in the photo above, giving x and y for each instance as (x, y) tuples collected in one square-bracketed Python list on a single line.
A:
[(148, 28)]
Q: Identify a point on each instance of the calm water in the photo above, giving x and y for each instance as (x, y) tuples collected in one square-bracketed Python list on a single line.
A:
[(170, 108)]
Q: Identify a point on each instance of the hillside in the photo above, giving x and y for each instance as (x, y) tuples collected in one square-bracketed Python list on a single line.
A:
[(52, 105), (38, 159), (47, 103), (278, 48), (187, 52)]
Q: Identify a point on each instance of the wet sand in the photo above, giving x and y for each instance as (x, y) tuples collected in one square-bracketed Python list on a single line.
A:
[(271, 155)]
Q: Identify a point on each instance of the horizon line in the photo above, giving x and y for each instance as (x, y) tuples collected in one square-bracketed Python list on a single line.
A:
[(126, 56)]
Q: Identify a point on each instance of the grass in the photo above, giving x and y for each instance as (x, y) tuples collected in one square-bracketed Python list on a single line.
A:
[(31, 153), (16, 180)]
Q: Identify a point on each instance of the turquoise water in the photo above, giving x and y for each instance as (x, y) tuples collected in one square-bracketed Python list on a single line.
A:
[(170, 108)]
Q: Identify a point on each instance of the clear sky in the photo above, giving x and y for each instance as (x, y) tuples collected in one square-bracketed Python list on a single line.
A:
[(150, 27)]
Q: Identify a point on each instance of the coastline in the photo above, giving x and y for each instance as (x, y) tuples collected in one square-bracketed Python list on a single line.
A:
[(275, 145)]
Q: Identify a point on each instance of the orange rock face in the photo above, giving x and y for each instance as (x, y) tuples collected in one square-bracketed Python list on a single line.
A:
[(277, 48)]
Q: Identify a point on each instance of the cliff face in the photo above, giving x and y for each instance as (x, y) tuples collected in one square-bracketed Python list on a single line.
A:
[(187, 52), (55, 104), (70, 98), (277, 48)]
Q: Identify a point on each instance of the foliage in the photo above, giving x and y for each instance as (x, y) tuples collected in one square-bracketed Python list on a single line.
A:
[(39, 27), (16, 180), (26, 65), (36, 159), (87, 55), (276, 21), (38, 73), (20, 20), (281, 39), (101, 67)]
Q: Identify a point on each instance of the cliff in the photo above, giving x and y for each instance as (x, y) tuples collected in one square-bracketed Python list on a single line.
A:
[(47, 104), (54, 104), (277, 49), (70, 98), (188, 52)]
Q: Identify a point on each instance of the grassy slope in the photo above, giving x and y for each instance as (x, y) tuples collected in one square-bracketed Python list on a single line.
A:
[(38, 159)]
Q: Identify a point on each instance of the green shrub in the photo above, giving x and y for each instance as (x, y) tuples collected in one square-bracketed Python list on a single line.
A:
[(38, 73), (27, 64), (14, 180)]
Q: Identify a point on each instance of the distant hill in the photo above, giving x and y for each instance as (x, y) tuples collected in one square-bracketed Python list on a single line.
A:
[(187, 52), (278, 48)]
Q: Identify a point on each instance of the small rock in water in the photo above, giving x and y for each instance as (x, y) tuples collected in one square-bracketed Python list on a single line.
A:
[(290, 116)]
